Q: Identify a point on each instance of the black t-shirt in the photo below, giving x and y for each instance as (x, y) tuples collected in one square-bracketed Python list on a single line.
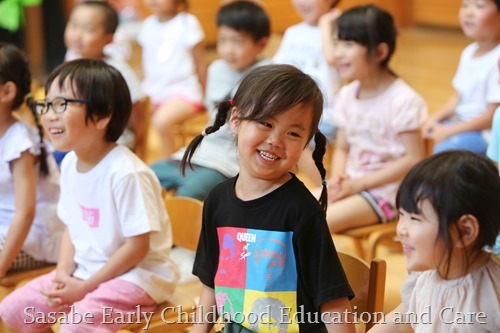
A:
[(270, 260)]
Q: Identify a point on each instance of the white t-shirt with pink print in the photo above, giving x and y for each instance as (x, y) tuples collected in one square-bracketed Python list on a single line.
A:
[(119, 198), (372, 127)]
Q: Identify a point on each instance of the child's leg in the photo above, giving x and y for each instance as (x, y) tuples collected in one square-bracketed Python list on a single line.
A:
[(351, 212), (199, 182), (168, 173), (471, 141), (167, 116), (112, 306), (25, 309)]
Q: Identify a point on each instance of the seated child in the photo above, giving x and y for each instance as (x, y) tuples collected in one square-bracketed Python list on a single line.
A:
[(90, 28), (173, 60), (243, 32), (116, 243), (302, 46), (460, 123), (448, 211), (30, 231), (378, 117)]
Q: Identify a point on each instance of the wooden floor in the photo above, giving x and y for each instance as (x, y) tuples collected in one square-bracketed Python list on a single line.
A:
[(427, 59)]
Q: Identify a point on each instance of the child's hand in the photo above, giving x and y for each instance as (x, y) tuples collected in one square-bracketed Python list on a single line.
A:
[(347, 188), (57, 283), (428, 128), (68, 291), (329, 17), (439, 133), (334, 186)]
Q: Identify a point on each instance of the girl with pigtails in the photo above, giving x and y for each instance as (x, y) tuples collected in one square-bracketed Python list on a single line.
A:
[(264, 239), (29, 178)]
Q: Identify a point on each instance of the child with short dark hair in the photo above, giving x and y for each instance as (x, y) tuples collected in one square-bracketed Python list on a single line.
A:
[(90, 28), (115, 247), (302, 46), (243, 32), (448, 211), (464, 120)]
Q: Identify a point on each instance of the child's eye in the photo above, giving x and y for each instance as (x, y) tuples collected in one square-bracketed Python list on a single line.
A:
[(294, 134), (263, 123), (415, 218)]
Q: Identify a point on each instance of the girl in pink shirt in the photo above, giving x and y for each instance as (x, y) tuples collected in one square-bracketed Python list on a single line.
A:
[(378, 116)]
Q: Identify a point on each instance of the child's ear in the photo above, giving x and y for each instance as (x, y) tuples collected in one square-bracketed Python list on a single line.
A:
[(234, 121), (109, 38), (382, 51), (8, 92), (468, 227), (102, 123), (262, 43)]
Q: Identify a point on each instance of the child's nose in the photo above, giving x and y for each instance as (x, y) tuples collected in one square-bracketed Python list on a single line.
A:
[(401, 228), (275, 138)]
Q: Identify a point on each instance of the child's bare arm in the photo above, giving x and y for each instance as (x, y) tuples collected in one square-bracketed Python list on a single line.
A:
[(333, 310), (124, 259), (326, 22), (200, 63), (23, 172), (444, 111), (207, 304), (479, 123), (66, 261), (339, 158)]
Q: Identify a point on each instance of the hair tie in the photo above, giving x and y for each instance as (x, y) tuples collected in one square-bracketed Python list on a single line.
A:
[(204, 133), (41, 145), (231, 103), (323, 182)]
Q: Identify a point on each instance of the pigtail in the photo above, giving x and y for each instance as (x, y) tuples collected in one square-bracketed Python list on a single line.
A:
[(318, 154), (220, 119), (42, 157)]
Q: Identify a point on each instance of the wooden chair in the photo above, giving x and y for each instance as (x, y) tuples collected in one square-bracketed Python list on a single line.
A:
[(368, 283), (141, 122), (186, 131), (367, 239), (185, 217)]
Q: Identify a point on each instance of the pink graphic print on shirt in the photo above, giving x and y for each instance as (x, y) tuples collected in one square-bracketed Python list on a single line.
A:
[(91, 216)]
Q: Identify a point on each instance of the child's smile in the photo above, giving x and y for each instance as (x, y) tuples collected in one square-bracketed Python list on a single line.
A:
[(271, 147)]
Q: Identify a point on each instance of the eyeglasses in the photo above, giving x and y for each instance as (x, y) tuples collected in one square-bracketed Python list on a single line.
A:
[(59, 105)]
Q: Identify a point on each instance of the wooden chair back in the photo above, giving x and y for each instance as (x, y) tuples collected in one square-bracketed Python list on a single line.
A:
[(185, 217), (366, 239), (140, 120), (368, 283)]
